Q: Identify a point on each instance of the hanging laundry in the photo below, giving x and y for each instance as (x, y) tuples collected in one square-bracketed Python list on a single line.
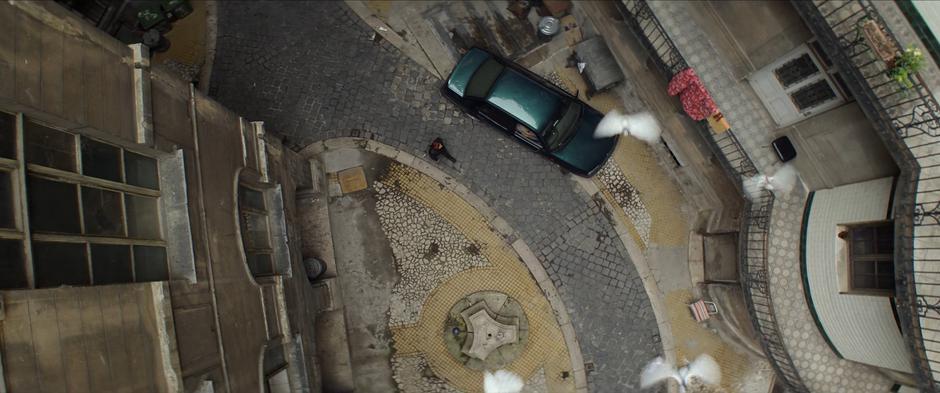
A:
[(696, 101)]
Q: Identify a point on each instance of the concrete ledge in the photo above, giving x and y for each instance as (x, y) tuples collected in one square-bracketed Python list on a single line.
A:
[(212, 33), (496, 222), (413, 52), (312, 149)]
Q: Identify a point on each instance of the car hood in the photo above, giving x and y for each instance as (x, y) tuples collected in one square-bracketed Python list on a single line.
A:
[(583, 153)]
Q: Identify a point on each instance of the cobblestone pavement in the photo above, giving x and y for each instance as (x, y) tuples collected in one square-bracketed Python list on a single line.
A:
[(312, 72), (444, 251), (643, 196), (820, 368), (427, 249)]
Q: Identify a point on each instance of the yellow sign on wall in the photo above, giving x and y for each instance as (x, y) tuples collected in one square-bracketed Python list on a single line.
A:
[(718, 123)]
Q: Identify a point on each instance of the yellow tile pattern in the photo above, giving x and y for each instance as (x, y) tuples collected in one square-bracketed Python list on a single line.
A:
[(659, 194), (693, 338), (506, 273), (622, 216)]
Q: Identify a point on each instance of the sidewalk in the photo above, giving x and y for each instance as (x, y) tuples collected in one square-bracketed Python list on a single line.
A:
[(649, 208), (643, 195), (820, 369), (411, 245)]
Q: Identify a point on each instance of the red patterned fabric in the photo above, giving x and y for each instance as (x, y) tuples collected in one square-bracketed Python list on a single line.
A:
[(696, 101)]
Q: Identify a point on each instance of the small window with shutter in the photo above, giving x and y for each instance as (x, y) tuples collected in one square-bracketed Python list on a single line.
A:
[(870, 257), (798, 85)]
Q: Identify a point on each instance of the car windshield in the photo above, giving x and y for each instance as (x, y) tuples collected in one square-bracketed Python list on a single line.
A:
[(563, 128), (483, 79)]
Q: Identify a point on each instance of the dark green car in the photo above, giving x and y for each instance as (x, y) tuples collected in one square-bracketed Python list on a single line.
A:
[(530, 108)]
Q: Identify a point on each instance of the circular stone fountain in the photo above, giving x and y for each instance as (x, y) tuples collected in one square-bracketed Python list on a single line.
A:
[(486, 330)]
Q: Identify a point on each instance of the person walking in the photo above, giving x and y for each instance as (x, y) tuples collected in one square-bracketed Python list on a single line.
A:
[(437, 149)]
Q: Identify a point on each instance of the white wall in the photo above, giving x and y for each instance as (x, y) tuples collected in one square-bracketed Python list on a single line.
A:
[(908, 389), (861, 327), (930, 11)]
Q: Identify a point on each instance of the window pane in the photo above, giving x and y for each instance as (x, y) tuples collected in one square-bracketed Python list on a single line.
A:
[(885, 239), (111, 264), (150, 263), (53, 206), (58, 264), (796, 70), (7, 217), (864, 267), (141, 171), (7, 136), (142, 219), (48, 147), (102, 210), (250, 198), (254, 230), (884, 283), (101, 160), (862, 241), (886, 269), (863, 281), (260, 264), (812, 95), (12, 269)]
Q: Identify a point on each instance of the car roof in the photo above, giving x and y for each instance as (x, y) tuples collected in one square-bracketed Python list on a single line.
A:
[(525, 99), (513, 92)]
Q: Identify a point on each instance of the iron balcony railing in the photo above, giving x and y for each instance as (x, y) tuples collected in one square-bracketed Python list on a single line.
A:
[(738, 165), (908, 121)]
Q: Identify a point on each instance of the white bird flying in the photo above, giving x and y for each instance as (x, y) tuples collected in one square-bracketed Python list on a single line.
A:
[(502, 381), (642, 126), (780, 183), (704, 368)]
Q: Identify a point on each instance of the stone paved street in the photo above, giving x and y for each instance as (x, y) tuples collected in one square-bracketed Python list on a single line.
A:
[(312, 72)]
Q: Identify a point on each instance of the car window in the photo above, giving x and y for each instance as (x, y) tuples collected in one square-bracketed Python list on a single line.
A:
[(526, 133), (497, 116), (483, 79), (563, 128)]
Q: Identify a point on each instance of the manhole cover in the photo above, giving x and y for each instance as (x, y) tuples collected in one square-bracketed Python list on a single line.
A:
[(352, 180)]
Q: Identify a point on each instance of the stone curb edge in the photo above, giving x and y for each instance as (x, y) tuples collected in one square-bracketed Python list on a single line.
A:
[(212, 33), (494, 220), (381, 28), (656, 296)]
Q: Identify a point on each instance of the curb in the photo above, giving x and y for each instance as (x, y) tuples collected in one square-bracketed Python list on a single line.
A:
[(496, 222), (212, 33), (413, 52), (656, 296)]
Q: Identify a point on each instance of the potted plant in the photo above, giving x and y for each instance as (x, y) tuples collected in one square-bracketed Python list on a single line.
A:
[(906, 65)]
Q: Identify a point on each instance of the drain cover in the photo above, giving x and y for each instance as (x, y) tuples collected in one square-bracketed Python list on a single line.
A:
[(352, 180)]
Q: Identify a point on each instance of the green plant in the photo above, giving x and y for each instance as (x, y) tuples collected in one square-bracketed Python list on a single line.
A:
[(906, 65)]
